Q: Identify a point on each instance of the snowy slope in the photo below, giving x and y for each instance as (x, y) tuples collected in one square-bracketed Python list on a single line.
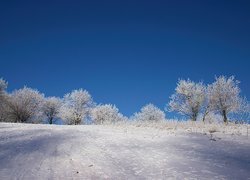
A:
[(110, 152)]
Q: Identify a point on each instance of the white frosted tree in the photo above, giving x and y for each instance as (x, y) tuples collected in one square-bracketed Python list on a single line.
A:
[(3, 98), (51, 108), (3, 86), (149, 113), (25, 105), (188, 98), (107, 113), (244, 112), (224, 96), (76, 107), (206, 107)]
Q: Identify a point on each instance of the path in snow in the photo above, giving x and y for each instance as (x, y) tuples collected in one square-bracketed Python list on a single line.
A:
[(107, 152)]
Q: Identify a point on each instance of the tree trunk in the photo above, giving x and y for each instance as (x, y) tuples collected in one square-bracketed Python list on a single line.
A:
[(194, 117), (77, 121), (205, 114), (224, 114), (204, 117), (50, 120)]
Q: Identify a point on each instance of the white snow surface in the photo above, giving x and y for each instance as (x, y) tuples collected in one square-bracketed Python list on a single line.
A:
[(31, 152)]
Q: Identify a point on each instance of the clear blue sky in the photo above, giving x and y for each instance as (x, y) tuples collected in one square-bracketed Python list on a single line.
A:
[(127, 53)]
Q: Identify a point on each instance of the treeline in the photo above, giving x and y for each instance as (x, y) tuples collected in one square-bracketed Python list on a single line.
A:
[(191, 99)]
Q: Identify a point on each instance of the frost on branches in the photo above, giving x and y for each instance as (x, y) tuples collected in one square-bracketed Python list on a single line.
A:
[(3, 96), (107, 113), (149, 113), (188, 98), (24, 105), (76, 107), (51, 108), (3, 86), (224, 96)]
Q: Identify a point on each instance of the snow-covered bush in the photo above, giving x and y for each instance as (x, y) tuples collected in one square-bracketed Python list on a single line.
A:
[(51, 108), (149, 113), (106, 114), (188, 98), (224, 96), (25, 105), (76, 107)]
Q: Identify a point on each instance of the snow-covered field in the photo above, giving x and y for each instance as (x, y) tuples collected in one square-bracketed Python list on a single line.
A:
[(121, 152)]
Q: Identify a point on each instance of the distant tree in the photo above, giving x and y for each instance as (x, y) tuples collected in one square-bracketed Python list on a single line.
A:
[(106, 114), (24, 104), (3, 99), (224, 96), (188, 98), (149, 113), (76, 106), (51, 108), (3, 86)]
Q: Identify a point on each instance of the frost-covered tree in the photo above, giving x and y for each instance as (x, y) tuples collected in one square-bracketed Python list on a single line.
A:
[(51, 108), (25, 105), (3, 98), (107, 113), (3, 86), (76, 106), (243, 113), (224, 96), (188, 98), (245, 110), (206, 108), (149, 113)]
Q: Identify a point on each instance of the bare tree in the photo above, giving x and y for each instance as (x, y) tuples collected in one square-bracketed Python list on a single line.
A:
[(188, 98), (76, 106), (51, 108), (224, 96)]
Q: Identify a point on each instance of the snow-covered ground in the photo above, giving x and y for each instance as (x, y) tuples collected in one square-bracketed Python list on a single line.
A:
[(120, 152)]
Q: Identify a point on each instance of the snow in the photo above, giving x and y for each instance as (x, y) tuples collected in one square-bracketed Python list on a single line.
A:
[(29, 151)]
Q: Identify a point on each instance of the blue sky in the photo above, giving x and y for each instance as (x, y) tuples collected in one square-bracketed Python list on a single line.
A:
[(127, 53)]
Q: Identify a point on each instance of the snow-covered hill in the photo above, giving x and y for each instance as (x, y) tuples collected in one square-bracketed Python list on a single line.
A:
[(115, 152)]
